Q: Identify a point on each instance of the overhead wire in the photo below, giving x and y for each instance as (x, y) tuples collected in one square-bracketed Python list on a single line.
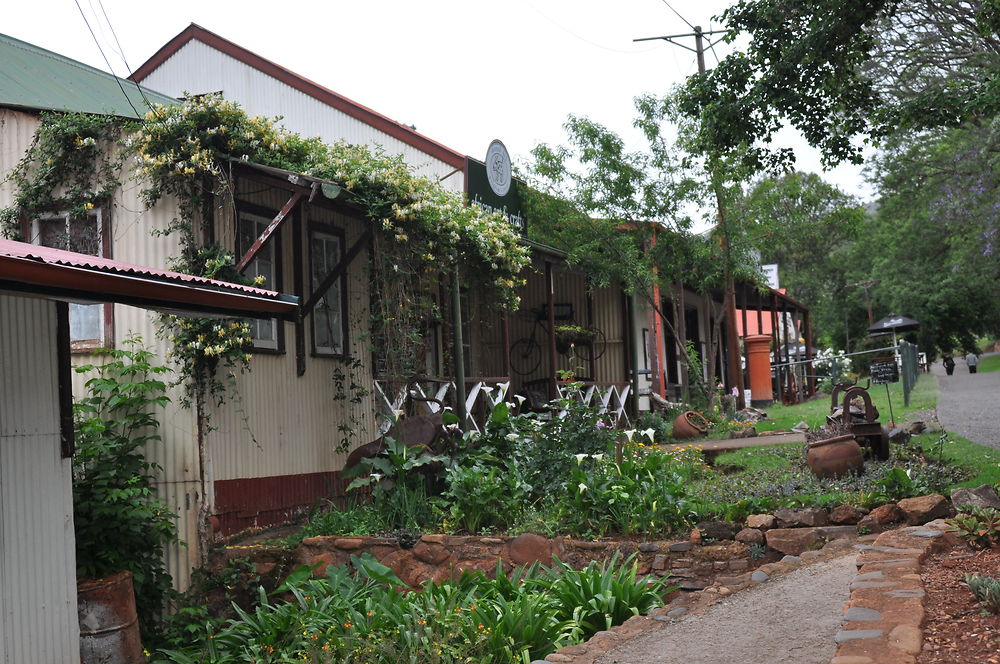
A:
[(106, 61), (121, 54), (678, 13)]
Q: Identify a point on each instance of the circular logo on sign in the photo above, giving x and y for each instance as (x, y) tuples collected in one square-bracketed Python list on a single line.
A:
[(498, 168)]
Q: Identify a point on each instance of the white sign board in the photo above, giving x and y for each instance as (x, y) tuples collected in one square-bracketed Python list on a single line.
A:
[(771, 273)]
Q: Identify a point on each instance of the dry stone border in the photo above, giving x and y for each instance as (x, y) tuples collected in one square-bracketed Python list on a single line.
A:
[(883, 618), (881, 622)]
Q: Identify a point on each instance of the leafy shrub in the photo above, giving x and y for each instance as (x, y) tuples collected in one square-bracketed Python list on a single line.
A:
[(661, 425), (986, 589), (119, 521), (602, 594), (483, 495), (978, 527), (641, 494), (399, 476)]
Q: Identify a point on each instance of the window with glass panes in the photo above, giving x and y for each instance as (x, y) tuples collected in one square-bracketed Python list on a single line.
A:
[(325, 250), (264, 264), (83, 235)]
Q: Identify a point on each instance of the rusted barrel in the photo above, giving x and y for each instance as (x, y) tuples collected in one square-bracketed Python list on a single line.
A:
[(109, 628)]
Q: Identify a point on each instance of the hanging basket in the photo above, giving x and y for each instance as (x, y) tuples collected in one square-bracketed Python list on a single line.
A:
[(568, 336)]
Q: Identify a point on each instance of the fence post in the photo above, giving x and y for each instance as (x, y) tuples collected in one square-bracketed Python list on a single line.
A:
[(911, 368)]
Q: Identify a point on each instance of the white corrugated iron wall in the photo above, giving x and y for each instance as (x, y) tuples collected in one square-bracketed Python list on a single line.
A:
[(17, 130), (37, 551), (279, 423), (199, 68), (177, 483)]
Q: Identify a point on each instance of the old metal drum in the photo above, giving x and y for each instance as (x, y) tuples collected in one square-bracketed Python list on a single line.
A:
[(109, 631)]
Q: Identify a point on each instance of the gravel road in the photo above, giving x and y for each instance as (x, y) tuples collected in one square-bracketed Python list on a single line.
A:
[(791, 618), (969, 404)]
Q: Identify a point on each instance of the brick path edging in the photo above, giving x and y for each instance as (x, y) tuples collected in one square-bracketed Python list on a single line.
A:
[(882, 620)]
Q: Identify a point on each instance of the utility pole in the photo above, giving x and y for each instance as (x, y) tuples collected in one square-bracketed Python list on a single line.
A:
[(734, 369)]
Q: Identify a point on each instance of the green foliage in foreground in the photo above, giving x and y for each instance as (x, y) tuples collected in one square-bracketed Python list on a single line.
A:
[(364, 617)]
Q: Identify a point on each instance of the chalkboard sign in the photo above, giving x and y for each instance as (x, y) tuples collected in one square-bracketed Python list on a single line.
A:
[(884, 370)]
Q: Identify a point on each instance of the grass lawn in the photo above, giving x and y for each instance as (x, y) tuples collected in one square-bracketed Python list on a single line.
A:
[(814, 412), (983, 462), (991, 363)]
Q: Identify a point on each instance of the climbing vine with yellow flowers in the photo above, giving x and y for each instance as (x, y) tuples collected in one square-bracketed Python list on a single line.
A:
[(420, 228)]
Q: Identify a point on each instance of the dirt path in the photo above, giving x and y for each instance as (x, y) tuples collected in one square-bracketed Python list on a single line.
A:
[(969, 404), (792, 618)]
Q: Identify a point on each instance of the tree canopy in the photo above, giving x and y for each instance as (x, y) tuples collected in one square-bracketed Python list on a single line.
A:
[(837, 71)]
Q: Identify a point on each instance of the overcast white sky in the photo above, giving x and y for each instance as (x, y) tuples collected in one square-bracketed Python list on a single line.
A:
[(462, 71)]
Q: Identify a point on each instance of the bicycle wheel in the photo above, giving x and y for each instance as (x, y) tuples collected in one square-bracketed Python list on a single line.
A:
[(595, 349), (525, 356)]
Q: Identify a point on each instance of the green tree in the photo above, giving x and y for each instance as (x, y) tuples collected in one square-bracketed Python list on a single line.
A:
[(808, 228), (626, 216), (937, 230), (839, 70)]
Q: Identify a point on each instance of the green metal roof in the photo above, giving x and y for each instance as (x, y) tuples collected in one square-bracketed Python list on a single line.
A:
[(36, 79)]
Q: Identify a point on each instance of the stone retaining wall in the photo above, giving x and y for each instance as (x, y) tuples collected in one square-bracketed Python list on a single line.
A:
[(441, 557)]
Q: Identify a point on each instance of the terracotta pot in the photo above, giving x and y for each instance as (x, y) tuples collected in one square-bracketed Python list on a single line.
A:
[(690, 424), (835, 457)]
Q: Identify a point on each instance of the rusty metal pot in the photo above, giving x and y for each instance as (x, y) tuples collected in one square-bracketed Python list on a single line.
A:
[(835, 457), (690, 424), (109, 629)]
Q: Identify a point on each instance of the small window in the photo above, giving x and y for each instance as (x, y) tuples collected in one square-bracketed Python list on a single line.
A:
[(264, 264), (84, 235), (329, 333)]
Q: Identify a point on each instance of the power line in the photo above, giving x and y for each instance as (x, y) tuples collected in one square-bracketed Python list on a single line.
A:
[(678, 14), (121, 54), (110, 68)]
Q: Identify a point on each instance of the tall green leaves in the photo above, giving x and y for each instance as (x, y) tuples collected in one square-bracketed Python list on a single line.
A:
[(119, 521), (364, 617)]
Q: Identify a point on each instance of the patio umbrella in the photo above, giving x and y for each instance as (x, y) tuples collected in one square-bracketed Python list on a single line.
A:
[(892, 324)]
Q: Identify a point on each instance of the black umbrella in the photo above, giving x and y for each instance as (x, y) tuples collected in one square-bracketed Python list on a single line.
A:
[(893, 324)]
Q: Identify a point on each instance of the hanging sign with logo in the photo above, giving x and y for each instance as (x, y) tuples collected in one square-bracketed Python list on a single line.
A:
[(492, 186)]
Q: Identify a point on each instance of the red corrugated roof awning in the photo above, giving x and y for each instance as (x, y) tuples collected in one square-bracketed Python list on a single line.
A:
[(67, 275)]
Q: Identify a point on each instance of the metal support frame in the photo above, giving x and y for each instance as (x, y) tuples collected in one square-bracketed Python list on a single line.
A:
[(267, 232), (338, 271)]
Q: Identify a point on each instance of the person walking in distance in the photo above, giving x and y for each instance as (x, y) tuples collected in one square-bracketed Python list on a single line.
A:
[(972, 360), (949, 363)]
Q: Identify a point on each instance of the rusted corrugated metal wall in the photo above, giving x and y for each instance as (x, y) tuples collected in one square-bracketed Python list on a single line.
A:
[(37, 561), (601, 309), (199, 67)]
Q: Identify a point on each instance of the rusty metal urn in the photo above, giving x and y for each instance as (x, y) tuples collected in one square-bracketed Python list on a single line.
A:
[(690, 424), (835, 457)]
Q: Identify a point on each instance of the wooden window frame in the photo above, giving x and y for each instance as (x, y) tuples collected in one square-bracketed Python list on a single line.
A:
[(275, 245), (31, 230), (326, 228)]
